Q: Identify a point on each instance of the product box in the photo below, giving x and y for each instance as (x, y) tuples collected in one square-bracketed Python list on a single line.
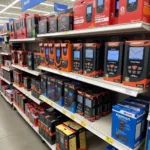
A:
[(65, 20), (44, 79), (134, 11), (127, 126), (110, 147), (83, 14), (102, 12), (52, 23), (80, 134), (65, 138), (43, 25), (70, 96), (148, 138)]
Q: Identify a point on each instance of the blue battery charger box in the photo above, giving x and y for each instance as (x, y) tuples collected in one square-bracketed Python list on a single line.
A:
[(148, 138), (110, 147), (128, 125)]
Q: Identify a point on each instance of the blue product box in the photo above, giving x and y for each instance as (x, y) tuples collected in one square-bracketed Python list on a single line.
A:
[(110, 147), (127, 125), (148, 139)]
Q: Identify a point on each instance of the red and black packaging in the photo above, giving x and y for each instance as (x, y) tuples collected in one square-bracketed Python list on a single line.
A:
[(137, 64), (52, 24), (134, 11), (58, 54), (14, 55), (23, 58), (65, 20), (32, 25), (42, 54), (77, 62), (18, 78), (23, 27), (114, 57), (93, 59), (43, 25), (31, 60), (83, 14), (17, 28), (36, 60), (27, 83), (12, 30), (102, 12)]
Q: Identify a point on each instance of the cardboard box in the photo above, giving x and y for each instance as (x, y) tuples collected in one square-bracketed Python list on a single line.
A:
[(134, 11)]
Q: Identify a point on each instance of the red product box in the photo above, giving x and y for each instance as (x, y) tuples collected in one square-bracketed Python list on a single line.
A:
[(134, 11), (114, 11), (102, 12), (23, 27), (83, 14)]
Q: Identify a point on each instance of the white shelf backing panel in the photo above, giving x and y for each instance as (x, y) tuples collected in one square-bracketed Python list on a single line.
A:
[(53, 147), (6, 68), (3, 53), (8, 82), (112, 29), (101, 127), (25, 69), (23, 40), (7, 99), (100, 82), (28, 94)]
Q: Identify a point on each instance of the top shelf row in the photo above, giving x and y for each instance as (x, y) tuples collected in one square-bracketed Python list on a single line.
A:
[(112, 29)]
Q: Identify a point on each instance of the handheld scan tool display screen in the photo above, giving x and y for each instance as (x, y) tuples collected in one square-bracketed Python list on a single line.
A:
[(136, 53), (58, 52), (88, 102), (100, 2), (59, 89), (132, 1), (113, 55), (47, 51), (89, 9), (76, 54), (80, 98), (89, 53), (70, 94)]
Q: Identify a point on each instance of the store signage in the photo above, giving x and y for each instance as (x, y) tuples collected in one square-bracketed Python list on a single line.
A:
[(59, 7), (26, 4)]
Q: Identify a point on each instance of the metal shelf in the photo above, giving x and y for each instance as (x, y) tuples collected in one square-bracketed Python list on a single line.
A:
[(6, 99), (3, 53), (25, 69), (101, 127), (3, 34), (5, 80), (36, 129), (6, 68), (23, 40), (100, 82), (28, 94), (112, 29)]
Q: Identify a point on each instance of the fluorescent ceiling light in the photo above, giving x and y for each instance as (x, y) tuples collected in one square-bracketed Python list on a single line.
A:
[(16, 7), (12, 4), (3, 5), (46, 4), (11, 13)]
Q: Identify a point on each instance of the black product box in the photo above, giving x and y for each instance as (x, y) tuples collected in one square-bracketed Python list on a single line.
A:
[(80, 102), (27, 83), (23, 101), (65, 20), (90, 101), (31, 60), (52, 24), (36, 60), (70, 96), (43, 25)]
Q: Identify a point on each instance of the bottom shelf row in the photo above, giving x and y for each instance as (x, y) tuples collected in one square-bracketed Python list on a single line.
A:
[(93, 142)]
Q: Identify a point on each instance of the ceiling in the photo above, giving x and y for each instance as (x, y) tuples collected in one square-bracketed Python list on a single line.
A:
[(12, 8)]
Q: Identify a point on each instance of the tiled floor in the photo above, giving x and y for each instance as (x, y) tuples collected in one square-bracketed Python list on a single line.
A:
[(16, 134)]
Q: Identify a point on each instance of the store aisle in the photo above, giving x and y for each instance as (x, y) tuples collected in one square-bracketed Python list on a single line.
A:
[(15, 133)]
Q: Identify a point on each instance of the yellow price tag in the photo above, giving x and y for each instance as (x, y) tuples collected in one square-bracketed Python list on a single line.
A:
[(60, 73), (64, 112), (65, 32), (72, 117), (109, 140), (83, 123), (51, 103), (46, 101)]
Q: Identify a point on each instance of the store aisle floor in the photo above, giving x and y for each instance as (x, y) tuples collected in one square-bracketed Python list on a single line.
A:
[(15, 133)]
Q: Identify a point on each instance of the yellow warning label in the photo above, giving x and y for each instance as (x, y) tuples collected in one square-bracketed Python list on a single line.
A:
[(109, 140), (146, 10)]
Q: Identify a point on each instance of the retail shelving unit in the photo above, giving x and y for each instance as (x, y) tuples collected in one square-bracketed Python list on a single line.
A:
[(6, 68), (25, 69), (100, 82), (53, 147), (23, 40), (6, 99), (27, 93), (112, 29), (2, 53), (101, 127), (3, 34), (8, 82)]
